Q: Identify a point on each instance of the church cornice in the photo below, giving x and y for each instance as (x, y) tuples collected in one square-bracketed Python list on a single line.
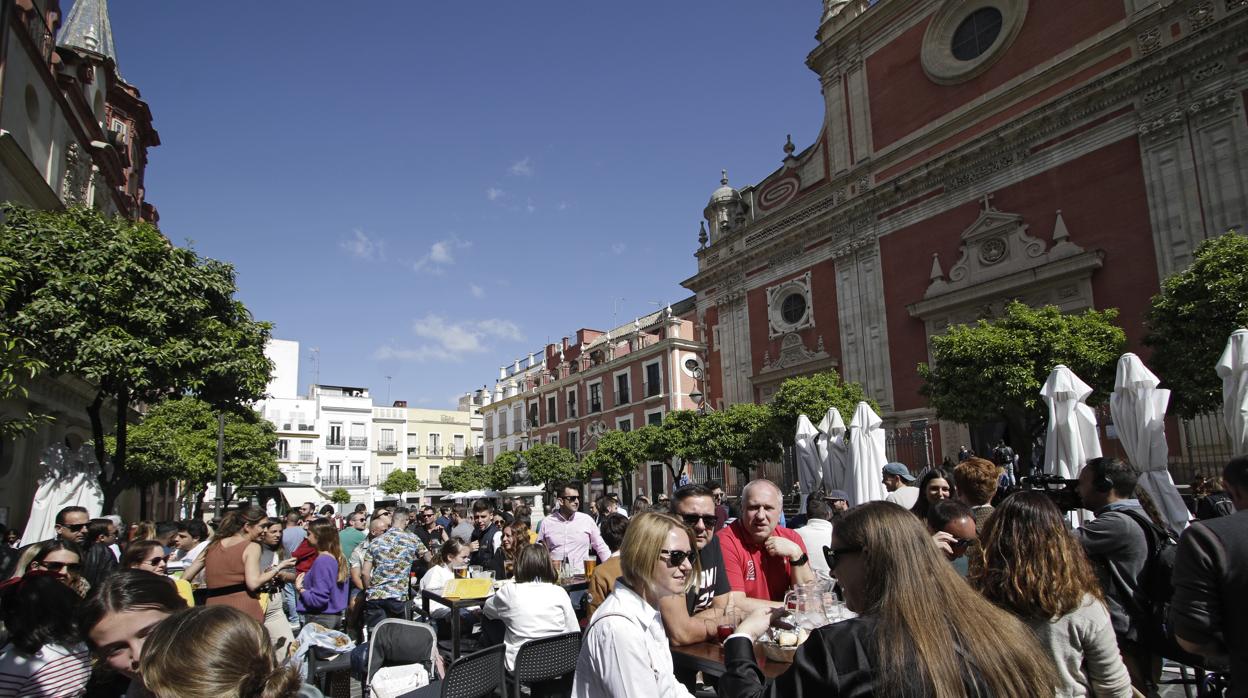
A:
[(849, 219)]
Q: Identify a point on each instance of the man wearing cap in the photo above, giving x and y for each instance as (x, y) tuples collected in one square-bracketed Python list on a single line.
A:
[(897, 479)]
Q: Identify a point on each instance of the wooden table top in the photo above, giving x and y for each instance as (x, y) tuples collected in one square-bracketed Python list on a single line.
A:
[(708, 658)]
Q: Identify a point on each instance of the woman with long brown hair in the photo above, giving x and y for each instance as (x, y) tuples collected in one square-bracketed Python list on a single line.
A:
[(937, 484), (920, 630), (1031, 566), (515, 537), (231, 563), (323, 588)]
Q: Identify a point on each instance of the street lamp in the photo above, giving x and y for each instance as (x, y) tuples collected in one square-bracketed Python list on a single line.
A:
[(698, 398)]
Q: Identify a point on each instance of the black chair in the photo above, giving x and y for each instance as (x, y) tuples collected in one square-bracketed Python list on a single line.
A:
[(395, 642), (477, 675), (546, 665)]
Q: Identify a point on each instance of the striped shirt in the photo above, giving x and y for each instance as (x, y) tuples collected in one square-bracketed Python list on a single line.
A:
[(52, 672)]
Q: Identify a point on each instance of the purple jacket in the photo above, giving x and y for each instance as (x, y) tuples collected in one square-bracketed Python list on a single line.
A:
[(322, 592)]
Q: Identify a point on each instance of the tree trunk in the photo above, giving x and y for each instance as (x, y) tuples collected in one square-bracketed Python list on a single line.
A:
[(143, 492), (107, 484), (674, 472)]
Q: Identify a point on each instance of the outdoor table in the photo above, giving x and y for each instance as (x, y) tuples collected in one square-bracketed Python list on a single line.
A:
[(577, 583), (708, 658)]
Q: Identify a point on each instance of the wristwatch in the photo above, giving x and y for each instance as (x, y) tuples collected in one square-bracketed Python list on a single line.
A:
[(800, 561)]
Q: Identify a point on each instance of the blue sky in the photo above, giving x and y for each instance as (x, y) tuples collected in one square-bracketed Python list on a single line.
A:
[(428, 190)]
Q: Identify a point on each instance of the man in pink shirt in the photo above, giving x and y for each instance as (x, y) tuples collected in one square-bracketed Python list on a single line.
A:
[(762, 559), (567, 533)]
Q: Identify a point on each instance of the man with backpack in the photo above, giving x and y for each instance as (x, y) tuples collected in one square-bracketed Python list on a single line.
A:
[(1119, 542)]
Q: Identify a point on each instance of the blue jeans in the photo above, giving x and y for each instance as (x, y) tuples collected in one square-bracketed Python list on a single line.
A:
[(377, 610), (289, 598)]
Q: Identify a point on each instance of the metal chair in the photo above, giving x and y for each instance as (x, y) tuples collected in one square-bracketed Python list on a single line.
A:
[(476, 675), (545, 660), (395, 641)]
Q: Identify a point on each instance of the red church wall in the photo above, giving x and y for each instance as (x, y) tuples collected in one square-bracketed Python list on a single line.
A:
[(903, 99), (827, 322), (714, 375), (1103, 201)]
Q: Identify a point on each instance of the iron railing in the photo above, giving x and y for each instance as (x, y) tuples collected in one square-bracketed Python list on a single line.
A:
[(387, 447), (345, 481), (334, 442), (358, 442)]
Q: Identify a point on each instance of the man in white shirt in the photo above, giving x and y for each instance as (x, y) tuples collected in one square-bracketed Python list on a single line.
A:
[(817, 533), (897, 479)]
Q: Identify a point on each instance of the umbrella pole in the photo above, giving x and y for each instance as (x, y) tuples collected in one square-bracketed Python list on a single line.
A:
[(216, 500)]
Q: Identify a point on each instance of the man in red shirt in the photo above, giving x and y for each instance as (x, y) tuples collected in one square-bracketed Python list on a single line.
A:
[(762, 559)]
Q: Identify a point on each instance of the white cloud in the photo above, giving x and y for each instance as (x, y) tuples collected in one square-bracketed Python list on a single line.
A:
[(476, 291), (618, 248), (450, 341), (441, 255), (361, 246), (523, 168), (494, 194), (563, 206), (530, 206)]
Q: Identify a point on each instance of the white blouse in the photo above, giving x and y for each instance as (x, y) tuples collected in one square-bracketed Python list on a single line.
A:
[(625, 653), (435, 580), (529, 611)]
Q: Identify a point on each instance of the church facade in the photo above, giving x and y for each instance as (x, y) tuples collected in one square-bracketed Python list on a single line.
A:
[(973, 152)]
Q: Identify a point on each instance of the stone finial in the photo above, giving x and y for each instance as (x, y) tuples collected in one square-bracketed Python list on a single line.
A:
[(1060, 233), (985, 203), (723, 178), (937, 273), (702, 236), (788, 145)]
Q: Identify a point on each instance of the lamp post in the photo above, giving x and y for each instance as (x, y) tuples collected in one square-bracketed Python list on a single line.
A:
[(217, 501)]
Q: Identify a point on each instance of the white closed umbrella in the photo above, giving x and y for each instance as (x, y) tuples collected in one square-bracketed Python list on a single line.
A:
[(833, 450), (809, 467), (866, 456), (1139, 410), (1071, 441), (1233, 370), (68, 477)]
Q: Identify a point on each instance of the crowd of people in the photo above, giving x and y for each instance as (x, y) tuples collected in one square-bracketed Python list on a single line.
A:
[(955, 585)]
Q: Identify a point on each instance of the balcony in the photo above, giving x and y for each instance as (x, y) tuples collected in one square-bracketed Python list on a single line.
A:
[(357, 442), (455, 451), (39, 32), (287, 426), (387, 447), (334, 442), (307, 427), (306, 457), (433, 451), (344, 481), (413, 451)]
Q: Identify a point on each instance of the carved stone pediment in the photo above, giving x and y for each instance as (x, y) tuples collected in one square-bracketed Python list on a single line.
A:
[(793, 352)]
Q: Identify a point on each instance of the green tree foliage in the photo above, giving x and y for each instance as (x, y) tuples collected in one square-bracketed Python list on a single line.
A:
[(17, 365), (177, 440), (498, 473), (813, 396), (1191, 319), (340, 496), (616, 456), (469, 475), (549, 464), (675, 438), (400, 481), (994, 370), (113, 301), (741, 436)]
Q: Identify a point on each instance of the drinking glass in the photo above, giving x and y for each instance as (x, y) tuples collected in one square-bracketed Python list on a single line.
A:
[(461, 571)]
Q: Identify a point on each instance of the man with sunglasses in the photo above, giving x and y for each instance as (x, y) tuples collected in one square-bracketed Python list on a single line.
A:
[(694, 617), (71, 524), (569, 534)]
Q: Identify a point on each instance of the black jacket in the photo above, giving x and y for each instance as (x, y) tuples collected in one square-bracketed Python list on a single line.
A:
[(485, 554), (1210, 602)]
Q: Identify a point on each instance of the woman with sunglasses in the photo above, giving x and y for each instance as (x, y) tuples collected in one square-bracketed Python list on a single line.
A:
[(145, 555), (44, 655), (1032, 567), (61, 558), (903, 642), (625, 651), (231, 563)]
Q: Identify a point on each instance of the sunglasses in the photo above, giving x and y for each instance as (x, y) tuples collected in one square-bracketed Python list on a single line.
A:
[(961, 542), (70, 567), (691, 520), (834, 555), (155, 561), (73, 527), (572, 497), (676, 558)]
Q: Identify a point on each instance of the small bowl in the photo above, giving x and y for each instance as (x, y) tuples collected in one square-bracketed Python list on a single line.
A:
[(776, 653)]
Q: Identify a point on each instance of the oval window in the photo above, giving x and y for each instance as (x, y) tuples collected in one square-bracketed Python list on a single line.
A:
[(976, 34), (793, 309)]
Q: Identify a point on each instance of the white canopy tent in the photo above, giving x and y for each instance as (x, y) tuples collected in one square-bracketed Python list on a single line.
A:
[(833, 450), (1233, 370), (1139, 410), (809, 466), (1071, 441), (866, 455)]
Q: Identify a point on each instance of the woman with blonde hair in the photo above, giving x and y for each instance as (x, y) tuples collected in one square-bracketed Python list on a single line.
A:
[(214, 652), (323, 588), (231, 563), (1032, 567), (625, 651), (921, 630)]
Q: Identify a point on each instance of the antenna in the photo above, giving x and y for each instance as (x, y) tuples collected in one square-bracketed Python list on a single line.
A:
[(615, 310), (314, 354), (387, 390)]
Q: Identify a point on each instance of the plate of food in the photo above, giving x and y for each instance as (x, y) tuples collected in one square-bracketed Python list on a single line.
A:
[(780, 644)]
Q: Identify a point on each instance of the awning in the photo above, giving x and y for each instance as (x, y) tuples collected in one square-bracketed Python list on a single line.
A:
[(295, 496)]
